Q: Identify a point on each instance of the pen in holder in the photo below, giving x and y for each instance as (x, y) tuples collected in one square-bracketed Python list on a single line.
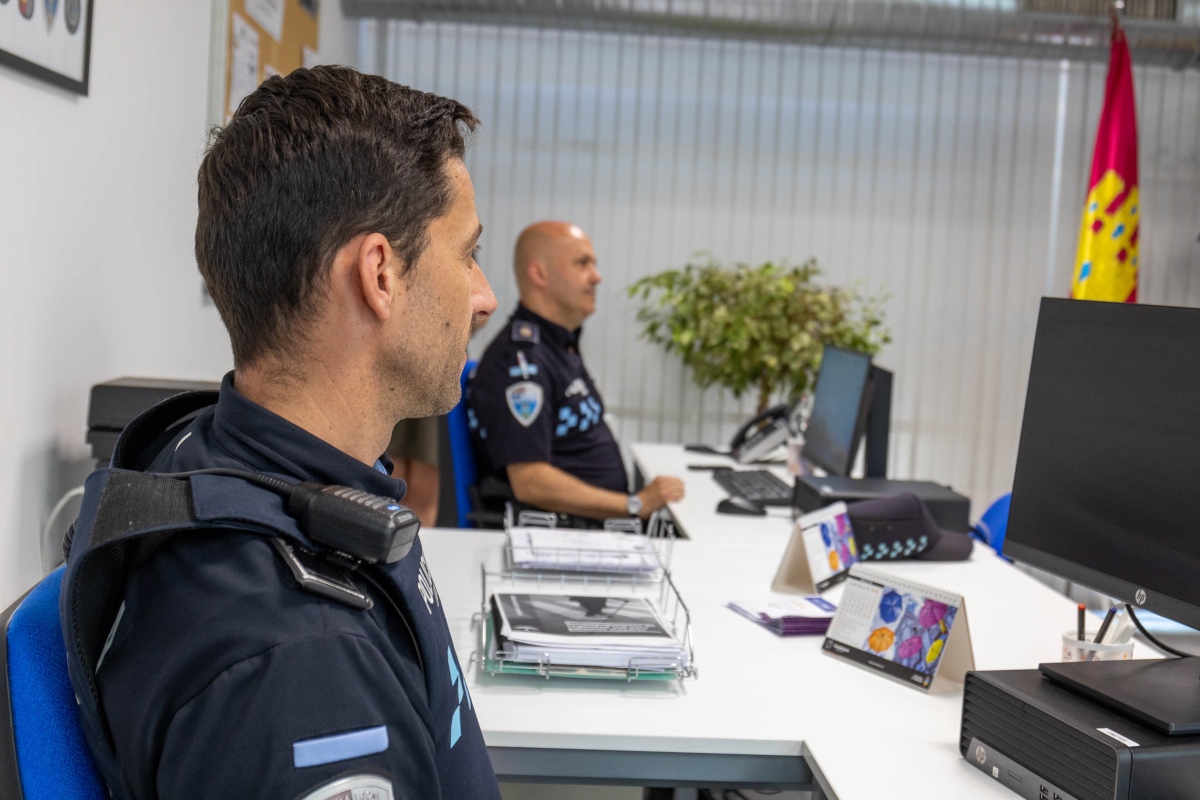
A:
[(1076, 649)]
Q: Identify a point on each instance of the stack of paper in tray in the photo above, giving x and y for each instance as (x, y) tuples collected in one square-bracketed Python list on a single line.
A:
[(584, 631), (788, 615), (582, 551)]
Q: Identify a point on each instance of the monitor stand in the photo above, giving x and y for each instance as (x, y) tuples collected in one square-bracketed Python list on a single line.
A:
[(1161, 693)]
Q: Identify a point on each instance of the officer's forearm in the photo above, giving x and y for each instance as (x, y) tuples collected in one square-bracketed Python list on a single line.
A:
[(540, 484)]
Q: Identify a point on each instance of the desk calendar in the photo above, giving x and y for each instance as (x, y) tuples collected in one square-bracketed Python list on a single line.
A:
[(903, 629), (819, 554)]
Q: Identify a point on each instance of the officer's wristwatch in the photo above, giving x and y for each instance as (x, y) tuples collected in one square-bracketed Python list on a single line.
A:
[(633, 505)]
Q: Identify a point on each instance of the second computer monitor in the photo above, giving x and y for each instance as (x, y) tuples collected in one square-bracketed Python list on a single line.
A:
[(839, 410)]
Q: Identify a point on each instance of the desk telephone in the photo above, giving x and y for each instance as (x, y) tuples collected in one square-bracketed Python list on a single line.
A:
[(760, 435)]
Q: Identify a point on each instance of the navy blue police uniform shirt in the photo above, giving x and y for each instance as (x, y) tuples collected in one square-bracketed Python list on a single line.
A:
[(533, 400), (222, 678)]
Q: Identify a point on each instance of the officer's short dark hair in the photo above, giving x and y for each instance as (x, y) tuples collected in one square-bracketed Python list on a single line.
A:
[(309, 161)]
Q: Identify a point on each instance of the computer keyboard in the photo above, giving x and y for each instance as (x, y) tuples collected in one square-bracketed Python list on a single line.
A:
[(755, 484)]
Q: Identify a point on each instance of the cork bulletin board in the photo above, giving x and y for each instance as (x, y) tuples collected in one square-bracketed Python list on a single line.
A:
[(253, 40)]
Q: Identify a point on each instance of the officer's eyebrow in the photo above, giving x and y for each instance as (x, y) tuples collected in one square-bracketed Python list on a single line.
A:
[(474, 239)]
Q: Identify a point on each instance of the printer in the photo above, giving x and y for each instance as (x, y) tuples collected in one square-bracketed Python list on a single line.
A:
[(116, 403)]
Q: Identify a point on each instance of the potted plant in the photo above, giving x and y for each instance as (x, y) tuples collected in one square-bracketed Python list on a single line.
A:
[(759, 328)]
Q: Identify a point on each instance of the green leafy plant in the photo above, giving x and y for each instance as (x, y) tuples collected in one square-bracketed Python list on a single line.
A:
[(755, 327)]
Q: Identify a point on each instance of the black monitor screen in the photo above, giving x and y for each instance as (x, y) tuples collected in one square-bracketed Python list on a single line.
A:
[(1104, 491), (835, 424)]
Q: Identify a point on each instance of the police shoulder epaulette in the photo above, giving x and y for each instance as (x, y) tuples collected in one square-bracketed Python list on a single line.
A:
[(525, 331)]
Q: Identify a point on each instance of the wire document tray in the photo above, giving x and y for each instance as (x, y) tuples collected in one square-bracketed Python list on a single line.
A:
[(661, 594), (643, 559), (548, 519)]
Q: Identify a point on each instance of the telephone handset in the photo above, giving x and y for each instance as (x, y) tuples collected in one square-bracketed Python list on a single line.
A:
[(760, 435)]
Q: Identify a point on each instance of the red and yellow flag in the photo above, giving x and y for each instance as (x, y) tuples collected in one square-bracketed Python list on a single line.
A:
[(1106, 265)]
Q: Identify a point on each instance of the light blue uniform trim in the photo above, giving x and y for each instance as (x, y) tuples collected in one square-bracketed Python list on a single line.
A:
[(379, 467), (339, 747)]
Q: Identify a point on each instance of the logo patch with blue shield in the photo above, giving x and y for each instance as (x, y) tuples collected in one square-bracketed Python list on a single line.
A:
[(524, 401)]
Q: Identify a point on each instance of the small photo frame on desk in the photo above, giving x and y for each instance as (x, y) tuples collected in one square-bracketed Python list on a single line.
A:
[(48, 39), (819, 554), (906, 630)]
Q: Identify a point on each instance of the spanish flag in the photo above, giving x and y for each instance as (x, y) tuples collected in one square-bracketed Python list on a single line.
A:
[(1106, 265)]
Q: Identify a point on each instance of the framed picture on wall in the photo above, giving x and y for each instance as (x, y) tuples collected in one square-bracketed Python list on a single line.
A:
[(48, 39)]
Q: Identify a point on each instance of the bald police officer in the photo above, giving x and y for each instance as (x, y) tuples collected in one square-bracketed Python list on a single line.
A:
[(536, 416)]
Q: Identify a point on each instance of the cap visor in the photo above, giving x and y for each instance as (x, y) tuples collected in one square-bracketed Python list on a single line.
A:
[(950, 547)]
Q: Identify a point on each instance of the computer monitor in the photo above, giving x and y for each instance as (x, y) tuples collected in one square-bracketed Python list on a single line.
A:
[(839, 411), (879, 423), (1104, 492)]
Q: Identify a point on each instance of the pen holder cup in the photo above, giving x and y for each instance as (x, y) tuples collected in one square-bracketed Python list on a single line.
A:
[(1075, 650)]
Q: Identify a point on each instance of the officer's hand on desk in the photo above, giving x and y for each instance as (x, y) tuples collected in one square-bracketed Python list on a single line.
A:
[(658, 493)]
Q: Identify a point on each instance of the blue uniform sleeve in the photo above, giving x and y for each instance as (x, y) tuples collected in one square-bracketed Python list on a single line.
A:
[(512, 402), (295, 720)]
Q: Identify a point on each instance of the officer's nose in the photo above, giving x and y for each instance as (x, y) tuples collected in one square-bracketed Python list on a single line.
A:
[(483, 301)]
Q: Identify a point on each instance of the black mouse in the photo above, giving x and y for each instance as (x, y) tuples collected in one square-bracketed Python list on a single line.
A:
[(740, 505)]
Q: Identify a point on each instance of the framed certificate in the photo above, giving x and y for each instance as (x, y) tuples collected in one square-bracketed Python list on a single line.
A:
[(48, 39)]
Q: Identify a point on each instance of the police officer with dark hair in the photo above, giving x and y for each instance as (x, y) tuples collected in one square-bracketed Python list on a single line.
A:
[(336, 234), (536, 417)]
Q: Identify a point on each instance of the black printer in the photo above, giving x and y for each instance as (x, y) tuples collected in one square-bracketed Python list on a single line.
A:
[(116, 403)]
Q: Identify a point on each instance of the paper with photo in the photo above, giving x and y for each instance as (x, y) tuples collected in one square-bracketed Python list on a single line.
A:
[(268, 14), (787, 615), (584, 630), (243, 66)]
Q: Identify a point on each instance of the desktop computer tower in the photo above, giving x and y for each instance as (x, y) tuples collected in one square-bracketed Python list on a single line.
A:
[(1046, 742)]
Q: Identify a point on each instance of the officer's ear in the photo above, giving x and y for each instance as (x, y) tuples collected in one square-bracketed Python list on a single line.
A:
[(375, 272), (538, 273)]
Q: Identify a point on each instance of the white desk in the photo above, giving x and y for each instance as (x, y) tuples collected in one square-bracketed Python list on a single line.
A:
[(764, 708)]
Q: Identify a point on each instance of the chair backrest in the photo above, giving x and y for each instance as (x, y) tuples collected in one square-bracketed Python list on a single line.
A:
[(993, 525), (41, 729), (465, 473)]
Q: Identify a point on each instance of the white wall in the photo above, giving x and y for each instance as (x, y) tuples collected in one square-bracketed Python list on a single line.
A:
[(925, 176), (97, 214)]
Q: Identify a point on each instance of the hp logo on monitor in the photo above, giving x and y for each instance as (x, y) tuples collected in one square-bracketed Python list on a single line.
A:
[(1140, 597)]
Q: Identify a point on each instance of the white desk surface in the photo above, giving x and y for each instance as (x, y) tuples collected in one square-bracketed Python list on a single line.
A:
[(758, 693)]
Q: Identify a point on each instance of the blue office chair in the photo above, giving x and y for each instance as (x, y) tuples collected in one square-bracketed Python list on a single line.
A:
[(993, 525), (463, 457), (43, 753)]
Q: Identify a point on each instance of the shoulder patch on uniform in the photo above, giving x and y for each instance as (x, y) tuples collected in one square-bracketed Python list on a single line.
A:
[(339, 747), (523, 331), (523, 369), (524, 401), (577, 386), (355, 787)]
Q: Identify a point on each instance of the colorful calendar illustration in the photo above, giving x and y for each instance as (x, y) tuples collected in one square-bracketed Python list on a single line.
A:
[(905, 630), (820, 553)]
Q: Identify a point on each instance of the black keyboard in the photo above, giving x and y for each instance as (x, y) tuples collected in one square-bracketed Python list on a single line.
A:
[(755, 484)]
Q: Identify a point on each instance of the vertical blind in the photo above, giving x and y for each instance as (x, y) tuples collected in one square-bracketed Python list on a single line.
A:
[(930, 178)]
